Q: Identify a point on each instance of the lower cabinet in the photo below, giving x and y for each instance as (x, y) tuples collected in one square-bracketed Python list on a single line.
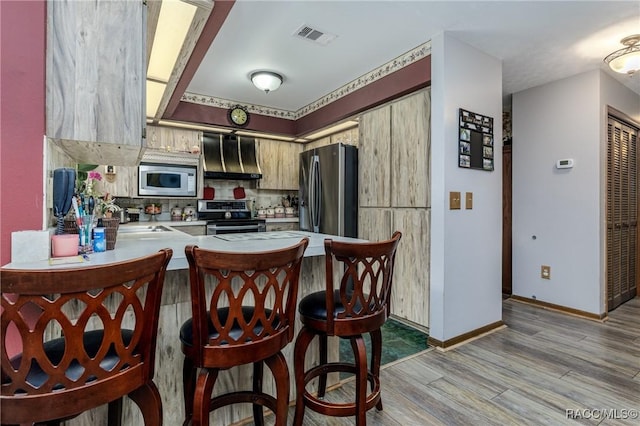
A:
[(283, 226), (410, 293)]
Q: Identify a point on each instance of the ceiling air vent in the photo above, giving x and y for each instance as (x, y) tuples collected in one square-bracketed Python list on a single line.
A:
[(314, 35)]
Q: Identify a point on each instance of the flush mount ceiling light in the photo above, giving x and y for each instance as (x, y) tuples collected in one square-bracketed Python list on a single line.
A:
[(266, 80), (627, 60)]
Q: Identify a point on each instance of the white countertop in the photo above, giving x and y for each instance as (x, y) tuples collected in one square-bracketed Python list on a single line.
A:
[(130, 246), (204, 222)]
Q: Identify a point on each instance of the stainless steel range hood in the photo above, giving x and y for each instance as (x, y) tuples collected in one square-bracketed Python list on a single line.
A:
[(230, 157)]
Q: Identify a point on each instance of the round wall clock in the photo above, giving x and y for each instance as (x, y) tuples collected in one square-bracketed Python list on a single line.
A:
[(238, 116)]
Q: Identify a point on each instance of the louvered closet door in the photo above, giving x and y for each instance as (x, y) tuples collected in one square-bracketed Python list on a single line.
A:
[(622, 213)]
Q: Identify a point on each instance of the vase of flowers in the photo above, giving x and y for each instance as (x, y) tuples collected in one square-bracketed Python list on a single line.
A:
[(89, 185)]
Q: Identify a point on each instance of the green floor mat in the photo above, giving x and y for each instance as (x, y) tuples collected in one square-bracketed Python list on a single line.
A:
[(398, 341)]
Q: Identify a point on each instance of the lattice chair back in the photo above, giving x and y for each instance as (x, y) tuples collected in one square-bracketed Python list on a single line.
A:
[(243, 303), (359, 278), (88, 336)]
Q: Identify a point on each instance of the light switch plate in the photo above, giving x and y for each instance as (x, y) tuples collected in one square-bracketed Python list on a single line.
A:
[(468, 200), (454, 200)]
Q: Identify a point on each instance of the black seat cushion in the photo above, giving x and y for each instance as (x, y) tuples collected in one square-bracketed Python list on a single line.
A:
[(315, 305), (54, 349), (186, 331)]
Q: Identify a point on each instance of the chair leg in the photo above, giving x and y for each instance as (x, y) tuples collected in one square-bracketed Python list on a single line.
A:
[(278, 366), (258, 416), (376, 358), (147, 398), (302, 343), (202, 397), (188, 388), (360, 356), (322, 379), (114, 414)]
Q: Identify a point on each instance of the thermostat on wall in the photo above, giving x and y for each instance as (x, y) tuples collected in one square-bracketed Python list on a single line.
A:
[(566, 163)]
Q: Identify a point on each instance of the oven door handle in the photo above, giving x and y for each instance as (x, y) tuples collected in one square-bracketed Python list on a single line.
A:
[(232, 228)]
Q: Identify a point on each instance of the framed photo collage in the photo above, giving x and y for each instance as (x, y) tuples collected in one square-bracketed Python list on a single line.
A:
[(475, 141)]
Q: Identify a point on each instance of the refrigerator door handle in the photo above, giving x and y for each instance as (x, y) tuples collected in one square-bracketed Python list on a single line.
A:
[(315, 193), (310, 191)]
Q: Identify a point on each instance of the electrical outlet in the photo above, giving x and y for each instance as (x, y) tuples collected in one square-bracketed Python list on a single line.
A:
[(545, 272)]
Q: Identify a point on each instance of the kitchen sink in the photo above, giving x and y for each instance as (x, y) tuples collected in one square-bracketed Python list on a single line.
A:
[(142, 229)]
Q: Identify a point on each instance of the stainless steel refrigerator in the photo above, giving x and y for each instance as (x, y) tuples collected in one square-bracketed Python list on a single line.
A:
[(328, 192)]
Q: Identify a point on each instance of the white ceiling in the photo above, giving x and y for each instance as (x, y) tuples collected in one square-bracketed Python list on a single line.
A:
[(538, 42)]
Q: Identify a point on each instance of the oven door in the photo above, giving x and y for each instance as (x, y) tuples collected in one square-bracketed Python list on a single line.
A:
[(234, 227)]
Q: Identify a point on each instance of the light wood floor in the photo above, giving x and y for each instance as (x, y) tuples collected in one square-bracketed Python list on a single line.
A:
[(530, 373)]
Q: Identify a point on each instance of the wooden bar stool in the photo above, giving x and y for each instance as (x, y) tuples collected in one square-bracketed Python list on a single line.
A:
[(92, 342), (360, 304), (248, 319)]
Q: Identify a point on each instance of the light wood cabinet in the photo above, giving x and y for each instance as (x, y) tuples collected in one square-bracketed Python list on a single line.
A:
[(410, 294), (394, 195), (173, 139), (283, 226), (394, 154), (374, 153), (279, 162), (95, 104), (122, 183), (410, 140)]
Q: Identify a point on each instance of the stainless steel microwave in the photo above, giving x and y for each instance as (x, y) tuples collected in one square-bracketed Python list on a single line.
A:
[(167, 180)]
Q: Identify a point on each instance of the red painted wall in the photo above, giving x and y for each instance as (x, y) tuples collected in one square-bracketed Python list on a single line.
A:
[(22, 118)]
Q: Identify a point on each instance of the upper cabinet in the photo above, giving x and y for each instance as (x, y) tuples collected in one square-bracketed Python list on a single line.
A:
[(95, 94), (410, 162), (279, 163), (374, 172), (394, 154), (119, 181), (172, 139)]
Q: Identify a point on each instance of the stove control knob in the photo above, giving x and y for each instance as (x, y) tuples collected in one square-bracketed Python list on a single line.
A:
[(227, 215)]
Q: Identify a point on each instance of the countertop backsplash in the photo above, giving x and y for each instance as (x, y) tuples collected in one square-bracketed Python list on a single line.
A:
[(223, 191)]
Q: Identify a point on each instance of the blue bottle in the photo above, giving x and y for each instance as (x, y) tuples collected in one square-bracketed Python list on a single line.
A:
[(99, 238)]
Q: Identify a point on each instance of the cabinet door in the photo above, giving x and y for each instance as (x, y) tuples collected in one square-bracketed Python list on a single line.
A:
[(279, 163), (410, 293), (122, 183), (374, 153), (282, 226), (410, 162), (172, 139), (95, 79)]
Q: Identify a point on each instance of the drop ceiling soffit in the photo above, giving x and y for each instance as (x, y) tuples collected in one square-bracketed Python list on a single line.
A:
[(390, 67)]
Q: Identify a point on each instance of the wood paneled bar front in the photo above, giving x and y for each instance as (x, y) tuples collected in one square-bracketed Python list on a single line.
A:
[(176, 308)]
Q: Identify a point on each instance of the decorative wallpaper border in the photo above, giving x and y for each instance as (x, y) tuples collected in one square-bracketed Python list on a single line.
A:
[(392, 66)]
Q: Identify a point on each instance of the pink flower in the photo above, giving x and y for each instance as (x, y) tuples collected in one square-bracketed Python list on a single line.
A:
[(95, 175)]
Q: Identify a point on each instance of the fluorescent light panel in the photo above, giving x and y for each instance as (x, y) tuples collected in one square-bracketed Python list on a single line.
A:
[(192, 126), (155, 90), (265, 136), (331, 130), (173, 25)]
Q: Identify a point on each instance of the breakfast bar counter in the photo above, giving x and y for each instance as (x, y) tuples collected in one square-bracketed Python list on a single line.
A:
[(176, 308)]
